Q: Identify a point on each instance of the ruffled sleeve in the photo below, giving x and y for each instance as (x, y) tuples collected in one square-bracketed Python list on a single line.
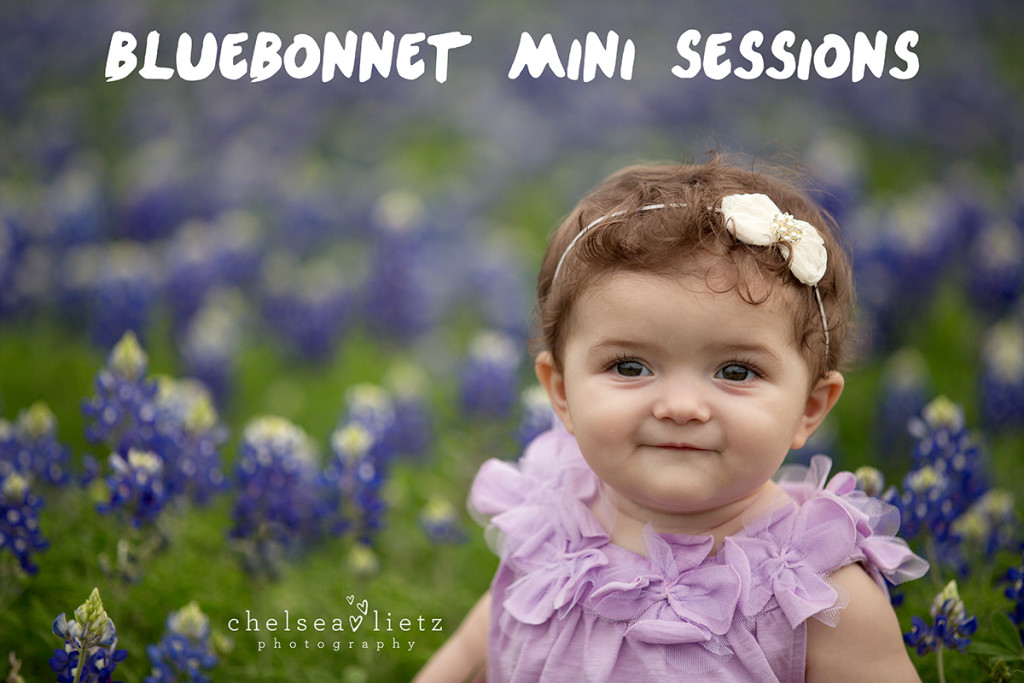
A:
[(886, 556), (552, 464), (790, 559), (545, 532)]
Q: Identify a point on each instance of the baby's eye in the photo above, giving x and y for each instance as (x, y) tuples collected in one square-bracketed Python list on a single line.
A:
[(630, 368), (734, 372)]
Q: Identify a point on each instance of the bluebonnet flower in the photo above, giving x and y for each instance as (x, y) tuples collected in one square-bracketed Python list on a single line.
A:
[(19, 521), (995, 280), (902, 248), (356, 476), (136, 485), (944, 443), (951, 627), (1015, 592), (90, 637), (192, 270), (870, 480), (13, 247), (489, 376), (115, 283), (904, 391), (189, 436), (212, 340), (309, 305), (990, 524), (173, 420), (206, 255), (497, 288), (1002, 376), (278, 502), (122, 414), (363, 447), (837, 162), (926, 505), (948, 478), (440, 520), (158, 193), (372, 407), (538, 416), (395, 298), (412, 431), (75, 205), (185, 651), (30, 446)]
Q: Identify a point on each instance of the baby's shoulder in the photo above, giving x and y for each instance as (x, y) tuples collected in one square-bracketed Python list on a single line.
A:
[(866, 643)]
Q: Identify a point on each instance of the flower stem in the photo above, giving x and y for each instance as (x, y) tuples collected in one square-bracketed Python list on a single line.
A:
[(83, 655), (933, 561), (938, 663)]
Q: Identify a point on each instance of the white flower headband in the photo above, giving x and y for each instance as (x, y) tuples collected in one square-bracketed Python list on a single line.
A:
[(755, 219)]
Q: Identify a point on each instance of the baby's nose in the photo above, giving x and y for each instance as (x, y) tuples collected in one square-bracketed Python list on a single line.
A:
[(682, 401)]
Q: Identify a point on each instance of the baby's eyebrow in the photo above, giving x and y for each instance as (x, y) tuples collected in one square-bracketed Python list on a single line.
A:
[(616, 343), (752, 348)]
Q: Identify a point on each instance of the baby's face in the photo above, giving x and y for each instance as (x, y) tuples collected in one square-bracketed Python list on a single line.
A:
[(682, 399)]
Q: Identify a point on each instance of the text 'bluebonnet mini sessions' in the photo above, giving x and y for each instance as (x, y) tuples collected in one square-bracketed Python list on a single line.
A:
[(716, 56)]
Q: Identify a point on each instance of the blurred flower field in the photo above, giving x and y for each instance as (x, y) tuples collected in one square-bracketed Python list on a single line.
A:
[(256, 338)]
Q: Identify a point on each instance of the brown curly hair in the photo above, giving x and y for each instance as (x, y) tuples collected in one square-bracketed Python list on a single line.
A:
[(688, 232)]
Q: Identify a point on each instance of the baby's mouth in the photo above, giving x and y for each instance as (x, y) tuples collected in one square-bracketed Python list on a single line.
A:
[(680, 446)]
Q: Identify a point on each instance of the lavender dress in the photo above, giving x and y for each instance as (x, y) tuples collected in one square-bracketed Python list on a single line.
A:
[(569, 605)]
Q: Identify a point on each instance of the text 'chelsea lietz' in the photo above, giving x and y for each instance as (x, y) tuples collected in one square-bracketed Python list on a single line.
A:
[(716, 56), (302, 624)]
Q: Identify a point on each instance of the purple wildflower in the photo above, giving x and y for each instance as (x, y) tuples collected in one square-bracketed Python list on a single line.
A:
[(212, 340), (489, 377), (995, 279), (904, 392), (412, 431), (277, 505), (116, 283), (90, 637), (174, 420), (356, 475), (189, 436), (395, 298), (309, 306), (30, 446), (1015, 592), (136, 485), (951, 627), (1002, 377), (123, 413), (538, 417), (440, 521), (19, 521), (184, 653)]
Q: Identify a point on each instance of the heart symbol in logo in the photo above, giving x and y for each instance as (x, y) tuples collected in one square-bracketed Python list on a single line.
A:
[(363, 606), (355, 622), (351, 599)]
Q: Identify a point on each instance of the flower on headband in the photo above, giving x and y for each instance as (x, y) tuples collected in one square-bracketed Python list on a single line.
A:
[(755, 219)]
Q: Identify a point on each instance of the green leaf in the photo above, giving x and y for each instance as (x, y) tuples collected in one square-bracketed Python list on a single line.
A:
[(1006, 633), (984, 649)]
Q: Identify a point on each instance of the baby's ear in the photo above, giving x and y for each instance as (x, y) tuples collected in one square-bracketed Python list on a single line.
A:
[(553, 381), (823, 396)]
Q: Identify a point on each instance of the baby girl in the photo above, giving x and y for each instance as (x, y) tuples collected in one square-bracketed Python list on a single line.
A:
[(692, 322)]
